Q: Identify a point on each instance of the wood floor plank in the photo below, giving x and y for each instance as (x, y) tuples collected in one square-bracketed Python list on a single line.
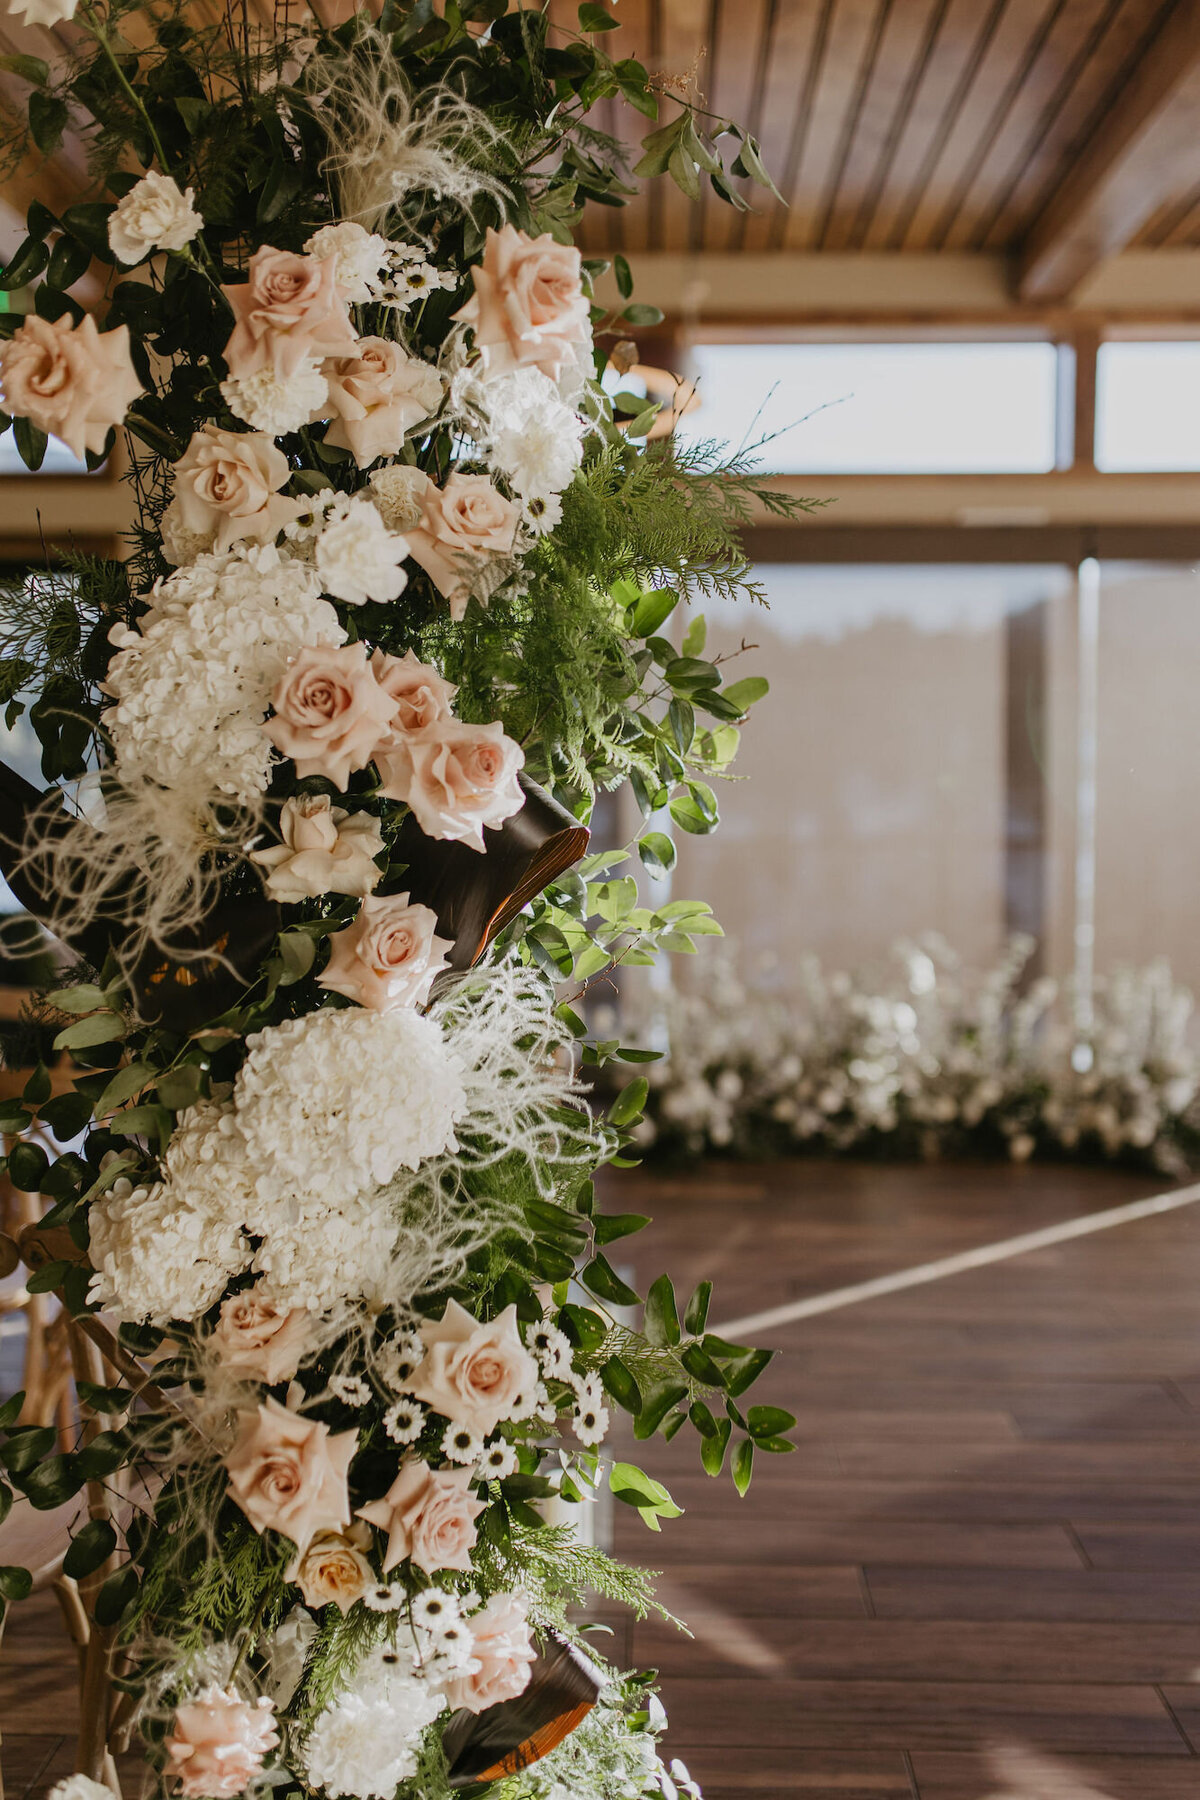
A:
[(1034, 1596), (1017, 1773)]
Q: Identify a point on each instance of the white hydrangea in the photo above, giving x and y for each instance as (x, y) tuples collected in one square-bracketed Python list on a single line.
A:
[(357, 557), (366, 1743), (537, 441), (275, 403), (192, 685), (314, 1254), (162, 1252), (338, 1101)]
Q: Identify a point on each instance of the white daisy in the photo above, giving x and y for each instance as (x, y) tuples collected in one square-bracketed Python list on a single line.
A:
[(461, 1444), (404, 1421), (497, 1461)]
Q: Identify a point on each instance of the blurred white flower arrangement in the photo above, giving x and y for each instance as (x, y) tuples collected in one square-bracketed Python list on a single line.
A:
[(926, 1059)]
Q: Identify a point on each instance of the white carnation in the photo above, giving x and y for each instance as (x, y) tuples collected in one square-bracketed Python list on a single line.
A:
[(537, 441), (80, 1787), (192, 685), (153, 215), (358, 255), (396, 490), (366, 1742), (358, 558), (48, 13), (338, 1101), (275, 403)]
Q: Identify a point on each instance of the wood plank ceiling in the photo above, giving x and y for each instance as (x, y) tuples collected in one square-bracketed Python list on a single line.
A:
[(892, 125)]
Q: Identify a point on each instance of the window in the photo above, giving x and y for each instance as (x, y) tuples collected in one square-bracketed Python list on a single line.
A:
[(1148, 406), (882, 408)]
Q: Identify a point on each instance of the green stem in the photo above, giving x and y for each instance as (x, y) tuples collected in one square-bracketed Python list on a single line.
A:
[(247, 1643), (101, 36)]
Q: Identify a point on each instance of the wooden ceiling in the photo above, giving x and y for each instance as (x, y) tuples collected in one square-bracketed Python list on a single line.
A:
[(929, 125), (1049, 133)]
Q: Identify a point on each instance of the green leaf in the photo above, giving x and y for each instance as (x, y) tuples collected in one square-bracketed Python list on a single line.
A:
[(621, 1384), (69, 262), (630, 1103), (662, 1316), (651, 610), (657, 1401), (688, 816), (10, 1412), (742, 1466), (27, 1446), (37, 1089), (712, 1450), (48, 119), (181, 1087), (697, 1308), (66, 1115), (601, 1279), (27, 264), (85, 998), (15, 1583), (696, 636), (749, 162), (124, 1084), (597, 18), (146, 1120), (116, 1594), (97, 1028), (699, 1364), (29, 68), (52, 1483), (6, 1500), (47, 1278), (745, 1372), (638, 314), (31, 443), (637, 1489), (703, 1419), (611, 1226), (681, 717), (623, 275), (744, 694), (27, 1166), (92, 1545), (768, 1421), (89, 223), (103, 1399), (108, 1451)]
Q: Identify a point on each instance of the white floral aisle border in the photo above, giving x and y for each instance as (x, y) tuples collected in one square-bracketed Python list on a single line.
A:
[(923, 1058)]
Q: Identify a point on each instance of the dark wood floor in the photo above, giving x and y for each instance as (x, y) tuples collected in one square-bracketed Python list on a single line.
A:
[(979, 1576)]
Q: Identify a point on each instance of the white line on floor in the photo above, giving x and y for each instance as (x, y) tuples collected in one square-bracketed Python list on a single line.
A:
[(735, 1330)]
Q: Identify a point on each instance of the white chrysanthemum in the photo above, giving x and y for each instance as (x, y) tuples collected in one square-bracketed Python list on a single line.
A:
[(358, 558), (338, 1101), (358, 255), (396, 490), (192, 685), (275, 403), (158, 1256), (365, 1745)]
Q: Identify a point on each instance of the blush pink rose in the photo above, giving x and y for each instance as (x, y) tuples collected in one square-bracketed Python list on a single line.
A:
[(456, 778), (429, 1515), (422, 696), (256, 1338), (461, 523), (528, 306), (504, 1649), (287, 309), (218, 1742), (330, 712), (289, 1474), (388, 957), (70, 380), (376, 397), (227, 486), (473, 1374), (333, 1570)]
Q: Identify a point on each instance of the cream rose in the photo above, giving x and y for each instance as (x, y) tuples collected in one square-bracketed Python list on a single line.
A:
[(330, 713), (429, 1515), (473, 1374), (456, 778), (460, 523), (289, 1474), (218, 1742), (377, 396), (227, 487), (256, 1338), (389, 956), (504, 1651), (287, 309), (333, 1570), (528, 305), (423, 697), (325, 850), (71, 380), (154, 215)]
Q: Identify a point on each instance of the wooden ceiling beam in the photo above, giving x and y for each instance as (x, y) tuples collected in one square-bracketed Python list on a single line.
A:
[(1144, 153)]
